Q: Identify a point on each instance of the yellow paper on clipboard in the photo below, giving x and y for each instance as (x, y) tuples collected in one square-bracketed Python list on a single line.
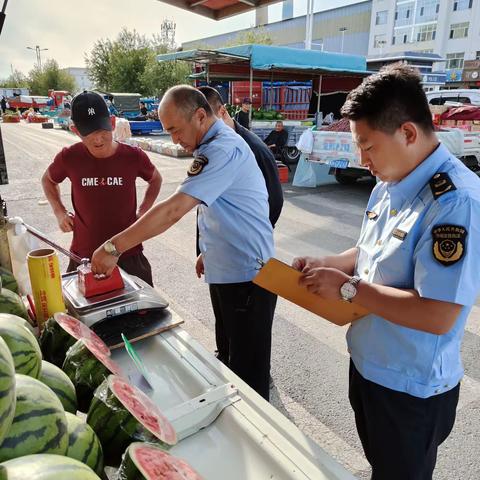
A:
[(278, 277)]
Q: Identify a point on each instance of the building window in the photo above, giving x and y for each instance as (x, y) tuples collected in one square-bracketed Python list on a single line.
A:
[(381, 18), (462, 5), (427, 10), (402, 15), (379, 41), (454, 60), (401, 35), (425, 33), (459, 30)]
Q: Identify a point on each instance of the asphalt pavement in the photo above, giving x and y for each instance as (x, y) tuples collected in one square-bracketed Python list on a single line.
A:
[(309, 356)]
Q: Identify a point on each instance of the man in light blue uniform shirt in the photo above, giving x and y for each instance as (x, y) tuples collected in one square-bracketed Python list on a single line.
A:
[(415, 268), (226, 183)]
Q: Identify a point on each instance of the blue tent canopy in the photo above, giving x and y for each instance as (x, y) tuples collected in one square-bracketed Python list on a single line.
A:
[(273, 58)]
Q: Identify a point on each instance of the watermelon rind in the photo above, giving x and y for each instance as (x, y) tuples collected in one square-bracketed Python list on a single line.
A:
[(7, 389), (54, 342), (39, 424), (150, 462), (87, 369), (8, 280), (18, 320), (116, 425), (47, 467), (10, 302), (83, 443), (60, 383), (24, 348)]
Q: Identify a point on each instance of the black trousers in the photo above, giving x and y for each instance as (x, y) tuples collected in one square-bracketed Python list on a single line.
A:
[(136, 264), (400, 433), (243, 331)]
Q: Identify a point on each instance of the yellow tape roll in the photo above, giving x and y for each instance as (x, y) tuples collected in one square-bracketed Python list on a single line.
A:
[(46, 283)]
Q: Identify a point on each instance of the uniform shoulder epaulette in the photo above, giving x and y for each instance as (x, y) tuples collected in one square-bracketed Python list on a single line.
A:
[(440, 184)]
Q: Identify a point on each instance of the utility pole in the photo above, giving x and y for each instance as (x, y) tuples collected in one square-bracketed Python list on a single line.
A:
[(38, 51)]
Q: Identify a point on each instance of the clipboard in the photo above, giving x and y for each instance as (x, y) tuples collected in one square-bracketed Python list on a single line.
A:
[(280, 278)]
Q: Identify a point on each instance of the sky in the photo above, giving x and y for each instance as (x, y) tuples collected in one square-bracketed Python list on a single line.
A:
[(69, 28)]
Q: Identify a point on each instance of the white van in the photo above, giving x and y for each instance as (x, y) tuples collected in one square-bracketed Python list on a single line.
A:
[(461, 95)]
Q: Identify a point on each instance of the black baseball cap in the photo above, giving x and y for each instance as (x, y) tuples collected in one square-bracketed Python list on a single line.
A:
[(90, 113)]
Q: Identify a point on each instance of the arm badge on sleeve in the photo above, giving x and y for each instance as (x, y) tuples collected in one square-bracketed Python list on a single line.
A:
[(441, 184), (448, 243), (197, 165)]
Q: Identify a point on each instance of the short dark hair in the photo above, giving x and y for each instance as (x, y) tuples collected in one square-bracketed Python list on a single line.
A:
[(389, 98), (188, 100), (213, 97)]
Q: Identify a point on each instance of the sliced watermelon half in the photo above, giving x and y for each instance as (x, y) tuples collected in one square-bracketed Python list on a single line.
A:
[(142, 409), (80, 331), (142, 460)]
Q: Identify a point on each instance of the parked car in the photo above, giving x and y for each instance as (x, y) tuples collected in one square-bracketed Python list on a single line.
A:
[(460, 95)]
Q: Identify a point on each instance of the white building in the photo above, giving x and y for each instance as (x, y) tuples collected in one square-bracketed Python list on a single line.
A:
[(449, 28), (82, 80)]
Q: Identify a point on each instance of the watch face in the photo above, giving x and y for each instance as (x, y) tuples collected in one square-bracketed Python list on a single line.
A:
[(348, 290)]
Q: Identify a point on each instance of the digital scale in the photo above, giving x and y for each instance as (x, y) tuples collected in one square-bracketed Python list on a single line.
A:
[(136, 296)]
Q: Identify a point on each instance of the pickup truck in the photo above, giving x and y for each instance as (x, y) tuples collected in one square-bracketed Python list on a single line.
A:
[(338, 150)]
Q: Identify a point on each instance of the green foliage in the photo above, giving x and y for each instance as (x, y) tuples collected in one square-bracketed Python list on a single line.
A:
[(16, 80), (128, 64), (98, 63), (255, 35), (50, 77)]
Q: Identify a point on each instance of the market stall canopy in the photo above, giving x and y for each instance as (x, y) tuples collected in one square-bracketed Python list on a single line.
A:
[(283, 63), (218, 9)]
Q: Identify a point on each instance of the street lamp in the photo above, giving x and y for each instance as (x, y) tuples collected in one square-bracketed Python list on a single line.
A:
[(37, 51), (342, 30)]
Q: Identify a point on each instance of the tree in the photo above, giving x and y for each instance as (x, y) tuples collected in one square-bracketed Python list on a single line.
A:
[(50, 77), (98, 63), (128, 63), (158, 77), (16, 80), (255, 35), (129, 57)]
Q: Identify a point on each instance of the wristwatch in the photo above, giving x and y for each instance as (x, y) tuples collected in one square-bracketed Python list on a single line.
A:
[(109, 247), (349, 289)]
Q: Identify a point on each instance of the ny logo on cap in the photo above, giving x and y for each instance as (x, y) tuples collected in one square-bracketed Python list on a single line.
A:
[(91, 111)]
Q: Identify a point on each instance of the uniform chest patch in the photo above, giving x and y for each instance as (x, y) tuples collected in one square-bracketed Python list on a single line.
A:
[(448, 243), (441, 184), (197, 165), (371, 215)]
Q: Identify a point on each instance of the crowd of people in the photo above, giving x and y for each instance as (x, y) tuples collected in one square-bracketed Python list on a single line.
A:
[(413, 266)]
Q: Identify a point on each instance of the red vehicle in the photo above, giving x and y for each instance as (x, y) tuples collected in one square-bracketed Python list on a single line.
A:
[(55, 99)]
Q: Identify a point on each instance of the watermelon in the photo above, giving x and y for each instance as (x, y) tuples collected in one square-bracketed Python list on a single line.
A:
[(23, 345), (7, 389), (121, 414), (60, 332), (150, 462), (87, 368), (58, 381), (80, 331), (54, 342), (8, 280), (83, 444), (39, 424), (18, 320), (10, 302), (46, 467)]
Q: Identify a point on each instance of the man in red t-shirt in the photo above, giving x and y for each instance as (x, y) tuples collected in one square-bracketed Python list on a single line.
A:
[(103, 174)]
